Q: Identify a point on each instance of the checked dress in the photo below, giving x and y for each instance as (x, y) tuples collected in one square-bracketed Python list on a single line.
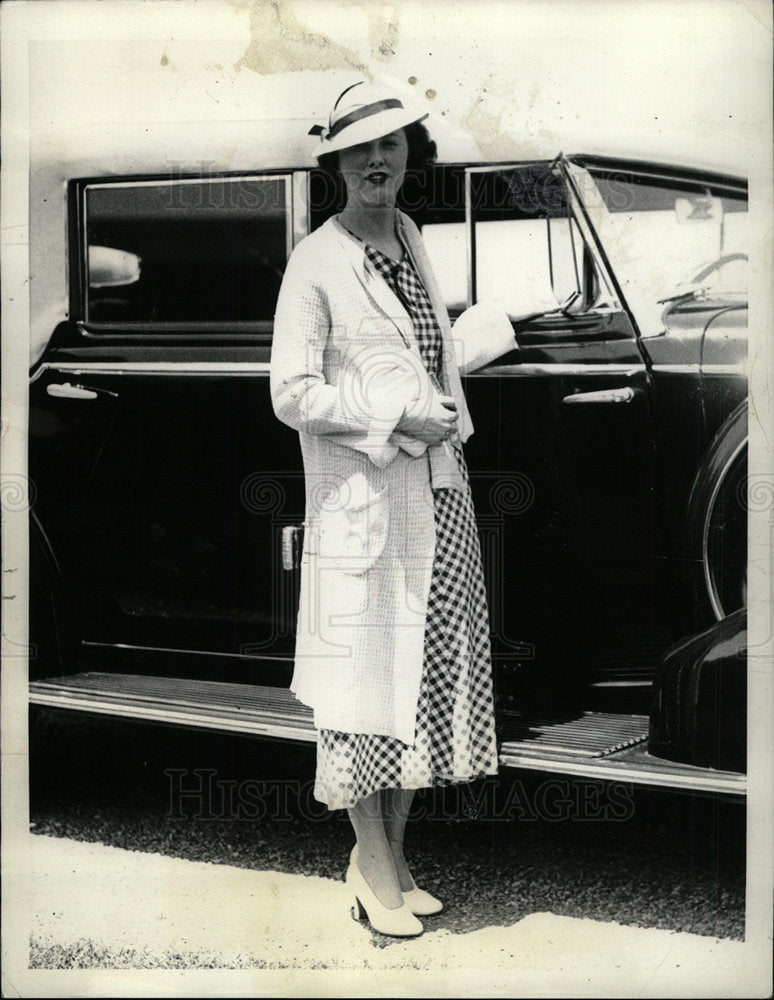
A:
[(455, 736)]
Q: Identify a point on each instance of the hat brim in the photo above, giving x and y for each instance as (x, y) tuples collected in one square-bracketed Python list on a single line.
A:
[(368, 129)]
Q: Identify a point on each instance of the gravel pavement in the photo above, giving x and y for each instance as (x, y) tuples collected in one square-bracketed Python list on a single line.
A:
[(543, 877)]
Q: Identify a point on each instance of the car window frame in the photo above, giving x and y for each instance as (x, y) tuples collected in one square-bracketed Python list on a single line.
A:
[(576, 166), (184, 331), (598, 323)]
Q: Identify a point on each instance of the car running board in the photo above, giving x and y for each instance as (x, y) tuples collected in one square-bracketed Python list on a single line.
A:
[(597, 745), (235, 708), (605, 746)]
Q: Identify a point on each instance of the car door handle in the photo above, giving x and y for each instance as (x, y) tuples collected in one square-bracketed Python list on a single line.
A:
[(624, 394), (292, 537), (67, 390)]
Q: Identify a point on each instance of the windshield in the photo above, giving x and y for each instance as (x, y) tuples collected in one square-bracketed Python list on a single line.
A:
[(671, 243)]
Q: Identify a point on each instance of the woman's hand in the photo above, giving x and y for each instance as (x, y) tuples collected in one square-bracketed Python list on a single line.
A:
[(430, 420)]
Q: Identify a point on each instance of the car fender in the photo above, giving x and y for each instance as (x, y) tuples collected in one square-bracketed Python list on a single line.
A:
[(698, 712)]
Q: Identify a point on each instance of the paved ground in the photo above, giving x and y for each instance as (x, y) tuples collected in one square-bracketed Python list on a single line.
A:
[(153, 905), (520, 845)]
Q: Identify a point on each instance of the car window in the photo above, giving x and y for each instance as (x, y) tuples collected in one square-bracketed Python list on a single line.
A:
[(528, 251), (195, 253), (671, 242), (446, 246)]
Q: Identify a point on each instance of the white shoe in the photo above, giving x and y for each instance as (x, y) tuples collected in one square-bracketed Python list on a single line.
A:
[(421, 902), (397, 922)]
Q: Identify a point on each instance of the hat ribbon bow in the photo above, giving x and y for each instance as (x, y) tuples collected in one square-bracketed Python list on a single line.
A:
[(354, 116)]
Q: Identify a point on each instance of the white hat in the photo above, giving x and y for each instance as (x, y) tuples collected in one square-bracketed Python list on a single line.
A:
[(360, 115)]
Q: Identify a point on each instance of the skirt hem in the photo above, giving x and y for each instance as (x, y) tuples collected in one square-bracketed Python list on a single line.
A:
[(342, 800)]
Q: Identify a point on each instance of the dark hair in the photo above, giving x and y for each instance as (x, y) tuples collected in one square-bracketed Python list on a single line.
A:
[(421, 157)]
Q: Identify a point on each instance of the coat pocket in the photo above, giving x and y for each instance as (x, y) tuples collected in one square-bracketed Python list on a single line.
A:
[(353, 527)]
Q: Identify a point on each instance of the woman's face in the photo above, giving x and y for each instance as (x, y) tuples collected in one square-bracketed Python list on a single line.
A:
[(373, 171)]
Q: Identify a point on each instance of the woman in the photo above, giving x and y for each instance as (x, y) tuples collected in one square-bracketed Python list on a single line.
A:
[(392, 648)]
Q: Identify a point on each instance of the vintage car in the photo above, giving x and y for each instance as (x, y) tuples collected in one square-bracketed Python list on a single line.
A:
[(608, 467)]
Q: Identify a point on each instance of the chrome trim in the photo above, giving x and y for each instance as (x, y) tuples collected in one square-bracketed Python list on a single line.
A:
[(717, 607), (678, 369), (300, 207), (560, 368), (149, 713), (289, 220), (180, 333), (203, 178), (580, 211), (263, 368), (621, 394), (725, 782), (740, 369), (621, 684), (469, 245), (157, 368), (580, 214), (185, 652), (291, 549)]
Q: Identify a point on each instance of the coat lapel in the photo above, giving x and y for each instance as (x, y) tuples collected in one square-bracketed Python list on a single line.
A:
[(377, 288), (388, 304), (451, 375)]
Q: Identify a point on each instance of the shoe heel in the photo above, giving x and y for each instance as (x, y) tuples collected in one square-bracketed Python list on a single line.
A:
[(358, 911)]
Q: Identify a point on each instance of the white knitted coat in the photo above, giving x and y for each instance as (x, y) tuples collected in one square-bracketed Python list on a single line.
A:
[(342, 346)]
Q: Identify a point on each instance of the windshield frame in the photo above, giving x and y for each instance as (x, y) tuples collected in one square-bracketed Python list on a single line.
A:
[(578, 167)]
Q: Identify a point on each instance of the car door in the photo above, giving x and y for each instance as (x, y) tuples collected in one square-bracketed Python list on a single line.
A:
[(163, 478), (679, 241), (562, 457)]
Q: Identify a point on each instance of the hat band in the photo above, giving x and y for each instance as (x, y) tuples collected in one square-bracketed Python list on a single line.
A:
[(365, 112)]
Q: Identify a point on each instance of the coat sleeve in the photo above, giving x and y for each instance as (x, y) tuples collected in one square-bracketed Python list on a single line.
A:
[(301, 396)]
